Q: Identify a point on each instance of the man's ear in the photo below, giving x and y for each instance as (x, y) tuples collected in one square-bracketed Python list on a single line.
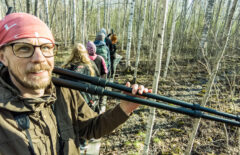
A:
[(3, 58)]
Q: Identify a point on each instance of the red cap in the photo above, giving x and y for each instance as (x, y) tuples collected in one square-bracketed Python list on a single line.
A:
[(22, 25)]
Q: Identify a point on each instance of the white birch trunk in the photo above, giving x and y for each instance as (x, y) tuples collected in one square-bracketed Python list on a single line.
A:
[(65, 23), (74, 21), (83, 20), (212, 78), (119, 21), (98, 16), (207, 24), (108, 16), (46, 12), (14, 4), (2, 13), (217, 16), (124, 23), (28, 6), (169, 52), (129, 40), (105, 14), (35, 8), (140, 34), (153, 29), (226, 16), (160, 44), (152, 5)]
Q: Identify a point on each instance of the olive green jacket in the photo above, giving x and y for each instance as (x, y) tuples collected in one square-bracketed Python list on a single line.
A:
[(57, 120)]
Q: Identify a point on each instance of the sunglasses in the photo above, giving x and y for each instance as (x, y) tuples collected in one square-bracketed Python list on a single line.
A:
[(26, 50)]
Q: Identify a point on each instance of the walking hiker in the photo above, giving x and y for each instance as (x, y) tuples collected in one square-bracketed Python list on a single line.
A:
[(111, 47), (37, 117), (113, 51), (102, 49), (98, 59), (107, 39), (101, 65), (80, 62)]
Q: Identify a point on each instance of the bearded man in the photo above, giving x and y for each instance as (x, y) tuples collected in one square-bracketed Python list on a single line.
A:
[(35, 116)]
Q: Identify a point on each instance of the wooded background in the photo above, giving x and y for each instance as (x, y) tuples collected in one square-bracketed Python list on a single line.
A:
[(199, 23), (150, 31)]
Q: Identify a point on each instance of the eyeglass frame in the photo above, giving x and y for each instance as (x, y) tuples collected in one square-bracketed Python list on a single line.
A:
[(34, 46)]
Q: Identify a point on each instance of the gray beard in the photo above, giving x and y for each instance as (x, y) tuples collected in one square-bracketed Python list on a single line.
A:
[(30, 85)]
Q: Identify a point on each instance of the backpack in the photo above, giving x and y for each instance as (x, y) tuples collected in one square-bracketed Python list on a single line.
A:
[(104, 52), (91, 100)]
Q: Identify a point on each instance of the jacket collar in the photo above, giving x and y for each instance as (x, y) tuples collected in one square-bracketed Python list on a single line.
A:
[(12, 100), (99, 43)]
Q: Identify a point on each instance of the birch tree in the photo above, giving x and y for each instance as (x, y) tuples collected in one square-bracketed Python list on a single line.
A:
[(1, 12), (28, 6), (212, 76), (36, 8), (140, 34), (226, 16), (183, 24), (217, 16), (83, 20), (14, 4), (105, 14), (158, 60), (65, 23), (169, 52), (108, 15), (98, 15), (7, 4), (129, 40), (74, 21), (207, 24), (119, 17), (46, 12), (124, 23), (153, 29)]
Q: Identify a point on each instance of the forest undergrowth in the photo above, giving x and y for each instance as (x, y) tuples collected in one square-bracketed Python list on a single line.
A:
[(187, 82)]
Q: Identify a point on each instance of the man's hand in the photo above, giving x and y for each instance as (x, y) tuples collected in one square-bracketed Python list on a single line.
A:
[(127, 106)]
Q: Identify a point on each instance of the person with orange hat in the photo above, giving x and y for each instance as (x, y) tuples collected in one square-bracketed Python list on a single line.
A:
[(37, 117), (113, 52)]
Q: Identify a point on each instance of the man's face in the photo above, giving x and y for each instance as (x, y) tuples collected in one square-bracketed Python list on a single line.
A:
[(31, 73)]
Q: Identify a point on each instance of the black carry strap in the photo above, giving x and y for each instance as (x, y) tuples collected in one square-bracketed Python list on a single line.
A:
[(23, 123), (61, 142)]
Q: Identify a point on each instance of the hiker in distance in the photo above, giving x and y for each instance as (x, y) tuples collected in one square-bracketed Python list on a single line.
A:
[(37, 117)]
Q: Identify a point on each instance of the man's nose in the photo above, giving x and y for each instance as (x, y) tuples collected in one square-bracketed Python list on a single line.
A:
[(38, 55)]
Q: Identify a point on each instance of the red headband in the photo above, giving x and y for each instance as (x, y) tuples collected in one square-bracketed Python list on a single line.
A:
[(22, 25)]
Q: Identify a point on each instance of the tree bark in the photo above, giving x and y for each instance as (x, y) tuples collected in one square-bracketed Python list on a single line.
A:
[(169, 52), (207, 24), (28, 6), (83, 20), (46, 12), (98, 16), (124, 23), (54, 11), (105, 14), (153, 29), (140, 34), (36, 8), (74, 21), (7, 4), (160, 45), (129, 39), (212, 78)]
